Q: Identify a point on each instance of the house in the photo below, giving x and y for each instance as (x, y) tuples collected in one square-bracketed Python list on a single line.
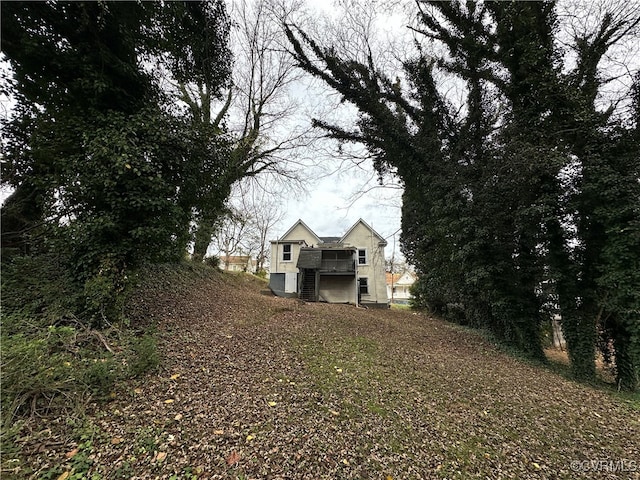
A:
[(236, 263), (399, 286), (346, 269)]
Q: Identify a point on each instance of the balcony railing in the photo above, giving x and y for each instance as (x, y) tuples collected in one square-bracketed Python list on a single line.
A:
[(339, 265)]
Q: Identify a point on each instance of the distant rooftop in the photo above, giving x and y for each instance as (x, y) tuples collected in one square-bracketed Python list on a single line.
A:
[(330, 239)]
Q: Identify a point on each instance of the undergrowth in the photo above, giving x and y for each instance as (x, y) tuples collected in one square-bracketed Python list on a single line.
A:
[(60, 347)]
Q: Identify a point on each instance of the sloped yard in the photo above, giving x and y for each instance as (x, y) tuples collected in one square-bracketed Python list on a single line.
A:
[(253, 386)]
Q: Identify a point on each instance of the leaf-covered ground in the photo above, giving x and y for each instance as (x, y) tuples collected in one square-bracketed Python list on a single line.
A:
[(258, 387)]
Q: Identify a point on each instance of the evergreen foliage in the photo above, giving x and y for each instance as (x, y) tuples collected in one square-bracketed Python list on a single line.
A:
[(95, 148), (108, 174), (527, 201)]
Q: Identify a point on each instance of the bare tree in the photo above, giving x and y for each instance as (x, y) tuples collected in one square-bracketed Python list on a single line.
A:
[(252, 214), (262, 107), (231, 235), (265, 213)]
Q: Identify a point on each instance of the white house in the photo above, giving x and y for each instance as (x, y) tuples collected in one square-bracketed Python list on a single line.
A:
[(236, 263), (347, 269), (399, 286)]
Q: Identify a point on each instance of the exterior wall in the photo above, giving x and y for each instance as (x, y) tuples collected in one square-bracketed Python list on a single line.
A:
[(401, 294), (297, 234), (338, 289), (334, 288), (237, 263), (280, 266), (278, 285), (362, 237)]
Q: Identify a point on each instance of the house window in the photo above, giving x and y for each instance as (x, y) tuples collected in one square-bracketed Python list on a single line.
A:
[(362, 257), (286, 252), (364, 286)]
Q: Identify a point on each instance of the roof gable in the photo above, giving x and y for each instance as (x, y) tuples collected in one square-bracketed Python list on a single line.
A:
[(407, 278), (367, 226), (303, 225)]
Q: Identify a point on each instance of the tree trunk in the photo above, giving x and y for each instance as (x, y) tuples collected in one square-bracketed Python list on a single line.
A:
[(202, 239), (627, 355), (579, 329)]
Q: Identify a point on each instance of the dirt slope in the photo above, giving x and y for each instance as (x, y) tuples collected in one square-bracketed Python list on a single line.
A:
[(254, 386)]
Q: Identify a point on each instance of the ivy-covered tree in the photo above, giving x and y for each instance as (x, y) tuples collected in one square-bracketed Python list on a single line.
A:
[(114, 170), (526, 189)]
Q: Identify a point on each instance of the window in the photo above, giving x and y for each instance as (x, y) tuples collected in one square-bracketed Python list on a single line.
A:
[(364, 286), (362, 257), (286, 252)]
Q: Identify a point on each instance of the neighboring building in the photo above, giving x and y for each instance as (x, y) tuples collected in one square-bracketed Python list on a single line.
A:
[(237, 263), (399, 286), (347, 269)]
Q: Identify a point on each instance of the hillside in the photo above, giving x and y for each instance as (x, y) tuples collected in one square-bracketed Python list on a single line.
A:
[(254, 386)]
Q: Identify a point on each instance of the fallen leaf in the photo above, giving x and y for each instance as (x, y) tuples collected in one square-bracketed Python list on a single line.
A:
[(137, 391), (218, 432), (170, 400), (72, 453), (116, 440), (345, 461), (233, 458), (334, 412), (178, 417), (536, 465), (272, 404), (161, 456), (64, 476), (250, 437), (174, 376)]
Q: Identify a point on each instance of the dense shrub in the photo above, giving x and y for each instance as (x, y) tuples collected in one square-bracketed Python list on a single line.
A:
[(53, 353)]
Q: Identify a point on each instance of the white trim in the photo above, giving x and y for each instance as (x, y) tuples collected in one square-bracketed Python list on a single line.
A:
[(366, 256), (290, 252)]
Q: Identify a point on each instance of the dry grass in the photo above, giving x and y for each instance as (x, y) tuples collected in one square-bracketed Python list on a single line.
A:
[(254, 386)]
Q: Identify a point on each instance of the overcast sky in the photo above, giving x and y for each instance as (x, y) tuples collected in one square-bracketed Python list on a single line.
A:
[(340, 191), (330, 209)]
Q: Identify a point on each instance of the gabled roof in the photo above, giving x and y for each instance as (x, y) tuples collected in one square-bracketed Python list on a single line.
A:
[(300, 222), (236, 258), (330, 239), (392, 277), (361, 221), (406, 278)]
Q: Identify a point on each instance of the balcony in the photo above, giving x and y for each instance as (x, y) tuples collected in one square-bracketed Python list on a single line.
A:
[(340, 265)]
